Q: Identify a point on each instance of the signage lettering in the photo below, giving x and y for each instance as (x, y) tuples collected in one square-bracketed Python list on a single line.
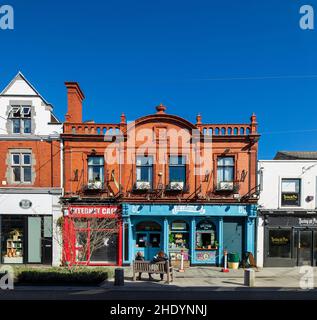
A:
[(93, 210)]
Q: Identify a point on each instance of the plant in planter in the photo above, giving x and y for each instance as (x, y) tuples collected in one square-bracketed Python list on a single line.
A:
[(233, 260)]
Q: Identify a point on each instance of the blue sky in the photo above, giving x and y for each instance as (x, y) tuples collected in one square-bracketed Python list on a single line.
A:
[(224, 59)]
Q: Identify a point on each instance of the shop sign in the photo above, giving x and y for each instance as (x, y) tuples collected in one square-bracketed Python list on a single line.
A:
[(92, 210), (279, 241), (25, 204), (290, 199), (190, 209), (307, 221)]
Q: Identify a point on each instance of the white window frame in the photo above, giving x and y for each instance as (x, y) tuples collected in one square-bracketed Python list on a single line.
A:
[(22, 118), (301, 192), (21, 165)]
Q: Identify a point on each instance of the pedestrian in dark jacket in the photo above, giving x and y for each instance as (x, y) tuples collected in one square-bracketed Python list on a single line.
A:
[(140, 257), (159, 257)]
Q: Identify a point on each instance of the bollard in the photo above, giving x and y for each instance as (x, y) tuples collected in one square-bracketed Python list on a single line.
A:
[(181, 269), (249, 277), (119, 277)]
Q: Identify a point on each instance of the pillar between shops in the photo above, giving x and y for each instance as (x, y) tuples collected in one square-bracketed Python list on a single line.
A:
[(250, 231), (192, 239), (165, 236), (220, 241)]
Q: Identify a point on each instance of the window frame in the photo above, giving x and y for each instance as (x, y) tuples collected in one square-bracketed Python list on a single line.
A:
[(21, 119), (178, 165), (223, 167), (150, 169), (100, 166), (22, 166), (299, 194)]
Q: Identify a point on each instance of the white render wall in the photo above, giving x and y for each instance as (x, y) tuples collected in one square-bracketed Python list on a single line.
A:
[(271, 173), (20, 89), (42, 204)]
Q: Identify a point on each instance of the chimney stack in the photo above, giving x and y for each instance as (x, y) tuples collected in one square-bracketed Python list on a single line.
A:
[(75, 99)]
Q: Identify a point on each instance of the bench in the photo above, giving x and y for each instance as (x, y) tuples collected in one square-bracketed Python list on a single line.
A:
[(153, 268)]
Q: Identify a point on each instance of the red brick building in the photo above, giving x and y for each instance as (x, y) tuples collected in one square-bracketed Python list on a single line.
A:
[(179, 186)]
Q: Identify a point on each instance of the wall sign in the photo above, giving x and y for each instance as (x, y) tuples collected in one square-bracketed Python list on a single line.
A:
[(307, 221), (191, 209), (25, 204), (92, 210)]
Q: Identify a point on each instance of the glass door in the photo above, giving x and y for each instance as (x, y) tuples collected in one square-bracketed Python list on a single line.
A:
[(305, 248)]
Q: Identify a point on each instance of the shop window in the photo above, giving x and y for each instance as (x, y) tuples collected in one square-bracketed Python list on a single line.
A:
[(12, 236), (20, 117), (290, 195), (144, 172), (206, 236), (96, 240), (95, 172), (21, 166), (179, 240), (177, 172), (225, 173), (280, 243), (141, 240)]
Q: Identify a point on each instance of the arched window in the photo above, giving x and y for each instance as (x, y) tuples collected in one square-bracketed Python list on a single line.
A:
[(206, 235)]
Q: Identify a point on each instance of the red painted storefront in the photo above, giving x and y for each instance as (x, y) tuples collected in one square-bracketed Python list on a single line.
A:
[(87, 227)]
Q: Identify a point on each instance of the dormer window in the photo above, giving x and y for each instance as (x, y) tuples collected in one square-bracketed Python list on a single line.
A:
[(20, 116)]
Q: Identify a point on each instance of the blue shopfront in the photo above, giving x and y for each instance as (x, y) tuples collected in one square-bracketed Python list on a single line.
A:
[(200, 232)]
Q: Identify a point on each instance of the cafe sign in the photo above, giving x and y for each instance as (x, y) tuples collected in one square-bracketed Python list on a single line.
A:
[(92, 210)]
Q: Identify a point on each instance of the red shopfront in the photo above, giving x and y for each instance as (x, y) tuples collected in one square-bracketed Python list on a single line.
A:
[(92, 235)]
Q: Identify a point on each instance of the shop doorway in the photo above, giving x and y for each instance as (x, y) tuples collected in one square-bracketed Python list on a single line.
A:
[(148, 239), (305, 249)]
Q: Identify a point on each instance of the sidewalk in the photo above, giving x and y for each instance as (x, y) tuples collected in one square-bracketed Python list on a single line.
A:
[(213, 277)]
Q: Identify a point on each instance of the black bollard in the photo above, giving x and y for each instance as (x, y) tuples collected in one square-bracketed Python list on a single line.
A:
[(119, 277)]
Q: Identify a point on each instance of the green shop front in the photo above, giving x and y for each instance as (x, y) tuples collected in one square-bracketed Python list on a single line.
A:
[(198, 232)]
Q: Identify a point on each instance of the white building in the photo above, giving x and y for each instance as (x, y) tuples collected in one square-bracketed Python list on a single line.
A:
[(30, 176), (287, 215)]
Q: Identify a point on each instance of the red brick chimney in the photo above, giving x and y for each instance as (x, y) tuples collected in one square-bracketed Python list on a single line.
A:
[(75, 99)]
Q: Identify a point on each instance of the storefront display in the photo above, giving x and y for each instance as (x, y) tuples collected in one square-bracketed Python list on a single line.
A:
[(289, 239), (194, 231), (92, 235), (179, 242), (25, 239)]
